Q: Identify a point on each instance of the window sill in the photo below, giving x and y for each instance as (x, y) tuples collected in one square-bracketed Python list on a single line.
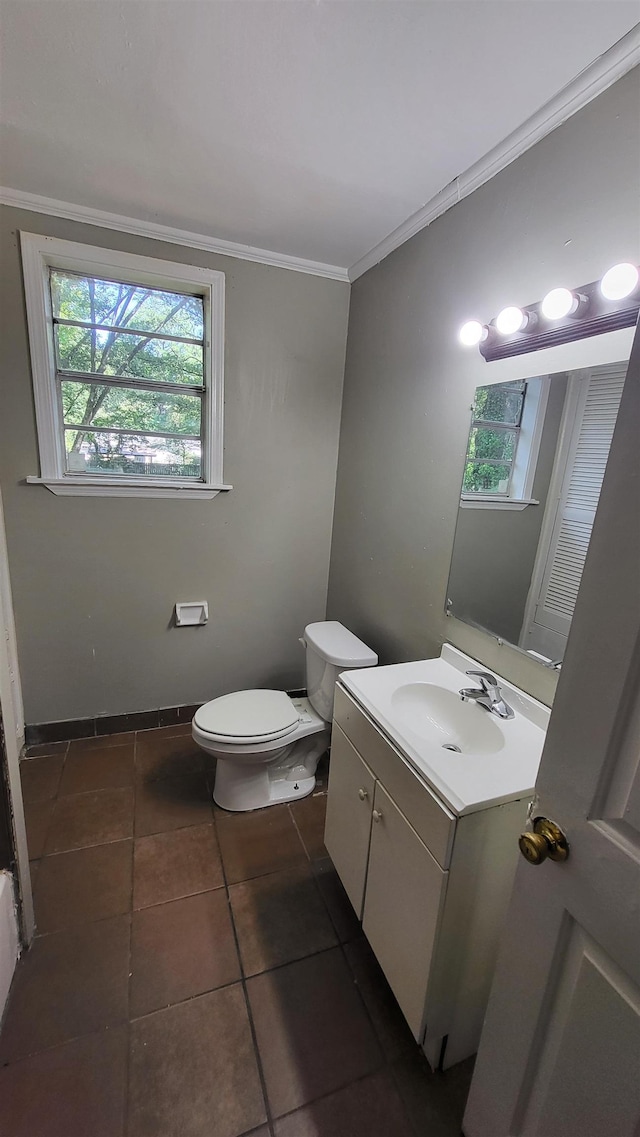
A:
[(119, 487), (496, 503)]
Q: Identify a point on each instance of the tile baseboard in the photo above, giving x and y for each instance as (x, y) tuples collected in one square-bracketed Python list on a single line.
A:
[(36, 733), (64, 731)]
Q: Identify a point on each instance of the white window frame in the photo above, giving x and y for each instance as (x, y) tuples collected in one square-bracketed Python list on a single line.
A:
[(39, 254), (527, 450)]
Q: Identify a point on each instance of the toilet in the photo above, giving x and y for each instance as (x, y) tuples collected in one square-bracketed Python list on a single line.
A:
[(267, 744)]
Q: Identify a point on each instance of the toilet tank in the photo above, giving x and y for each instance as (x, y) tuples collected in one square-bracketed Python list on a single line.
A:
[(331, 648)]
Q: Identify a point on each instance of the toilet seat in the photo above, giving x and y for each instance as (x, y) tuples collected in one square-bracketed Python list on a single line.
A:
[(247, 717)]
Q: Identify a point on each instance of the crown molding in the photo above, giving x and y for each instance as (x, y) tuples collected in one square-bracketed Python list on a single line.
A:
[(20, 199), (602, 73)]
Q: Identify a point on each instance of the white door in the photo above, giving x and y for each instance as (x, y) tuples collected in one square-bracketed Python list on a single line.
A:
[(593, 399), (560, 1051)]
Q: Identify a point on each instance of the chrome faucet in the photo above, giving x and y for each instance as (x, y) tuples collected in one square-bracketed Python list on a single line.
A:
[(487, 695)]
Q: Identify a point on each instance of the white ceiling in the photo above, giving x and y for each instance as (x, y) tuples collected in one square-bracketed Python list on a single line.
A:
[(309, 128)]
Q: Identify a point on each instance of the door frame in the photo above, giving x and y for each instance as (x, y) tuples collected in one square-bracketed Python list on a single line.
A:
[(13, 722)]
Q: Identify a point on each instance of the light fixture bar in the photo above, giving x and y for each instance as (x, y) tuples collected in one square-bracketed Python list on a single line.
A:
[(594, 314)]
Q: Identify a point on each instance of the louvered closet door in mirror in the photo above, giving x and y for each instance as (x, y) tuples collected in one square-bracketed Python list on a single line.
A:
[(593, 399)]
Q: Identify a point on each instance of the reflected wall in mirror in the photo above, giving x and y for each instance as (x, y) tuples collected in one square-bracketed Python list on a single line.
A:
[(535, 461)]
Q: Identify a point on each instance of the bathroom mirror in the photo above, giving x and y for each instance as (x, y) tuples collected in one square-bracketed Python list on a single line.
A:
[(531, 480)]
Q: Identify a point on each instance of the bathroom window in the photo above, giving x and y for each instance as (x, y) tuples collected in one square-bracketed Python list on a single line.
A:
[(503, 445), (127, 359)]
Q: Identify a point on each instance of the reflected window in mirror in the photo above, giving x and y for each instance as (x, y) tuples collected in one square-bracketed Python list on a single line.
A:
[(504, 442), (516, 571), (493, 439)]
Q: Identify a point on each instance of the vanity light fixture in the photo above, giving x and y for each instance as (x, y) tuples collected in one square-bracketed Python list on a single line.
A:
[(558, 303), (511, 320), (472, 333), (563, 315), (619, 282)]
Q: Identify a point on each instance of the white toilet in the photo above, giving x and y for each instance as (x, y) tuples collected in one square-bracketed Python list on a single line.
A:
[(268, 744)]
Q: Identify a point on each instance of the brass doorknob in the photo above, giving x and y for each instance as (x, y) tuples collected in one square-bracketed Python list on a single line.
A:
[(547, 840)]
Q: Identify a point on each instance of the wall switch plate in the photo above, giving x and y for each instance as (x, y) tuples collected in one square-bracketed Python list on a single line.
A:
[(191, 612)]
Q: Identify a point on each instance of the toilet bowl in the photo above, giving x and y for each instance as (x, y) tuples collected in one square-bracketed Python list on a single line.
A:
[(267, 744)]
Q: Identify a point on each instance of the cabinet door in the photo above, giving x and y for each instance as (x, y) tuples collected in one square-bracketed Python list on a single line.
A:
[(348, 824), (405, 890)]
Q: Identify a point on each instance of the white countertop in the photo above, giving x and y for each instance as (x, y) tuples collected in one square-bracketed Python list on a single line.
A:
[(500, 758)]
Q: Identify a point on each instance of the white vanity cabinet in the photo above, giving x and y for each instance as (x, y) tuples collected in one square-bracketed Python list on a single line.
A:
[(348, 824), (404, 892), (430, 888)]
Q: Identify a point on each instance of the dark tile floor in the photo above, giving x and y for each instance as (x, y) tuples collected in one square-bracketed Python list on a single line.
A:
[(197, 973)]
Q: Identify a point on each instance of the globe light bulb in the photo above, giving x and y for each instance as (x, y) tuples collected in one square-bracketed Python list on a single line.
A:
[(619, 281), (510, 321), (558, 303), (472, 333)]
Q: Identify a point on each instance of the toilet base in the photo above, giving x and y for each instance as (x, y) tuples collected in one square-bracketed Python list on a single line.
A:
[(242, 787), (280, 791)]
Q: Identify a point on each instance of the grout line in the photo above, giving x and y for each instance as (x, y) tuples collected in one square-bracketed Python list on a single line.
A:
[(127, 1071), (38, 757), (272, 872), (174, 899), (297, 829), (63, 767), (396, 1085), (317, 884), (243, 981), (79, 848), (368, 1015), (339, 945), (117, 840), (328, 910), (8, 1062), (295, 867), (82, 848), (328, 1094), (126, 1083), (74, 927), (291, 962), (181, 729), (53, 801), (98, 790), (387, 1063), (342, 946), (183, 1002)]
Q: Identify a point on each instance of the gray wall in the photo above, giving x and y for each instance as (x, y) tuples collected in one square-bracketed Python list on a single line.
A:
[(562, 213), (95, 579), (495, 549)]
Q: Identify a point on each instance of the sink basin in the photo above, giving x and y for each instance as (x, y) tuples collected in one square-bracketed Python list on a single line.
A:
[(471, 759), (441, 717)]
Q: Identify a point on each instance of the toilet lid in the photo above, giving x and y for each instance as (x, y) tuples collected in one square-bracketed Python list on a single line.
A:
[(249, 714)]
